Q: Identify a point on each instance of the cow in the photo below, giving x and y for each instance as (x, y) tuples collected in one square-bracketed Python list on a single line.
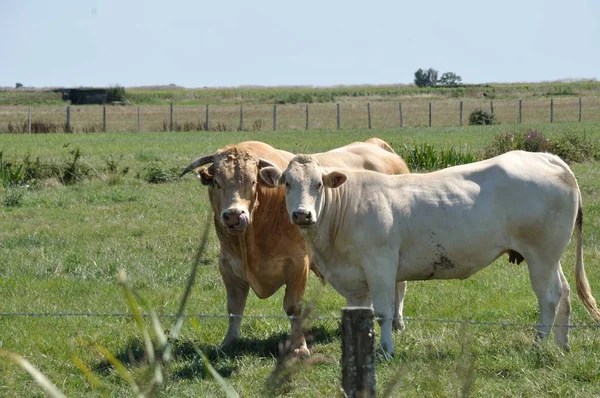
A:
[(368, 230), (260, 248)]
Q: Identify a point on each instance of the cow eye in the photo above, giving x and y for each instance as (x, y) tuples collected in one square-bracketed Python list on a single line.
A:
[(287, 185), (319, 185)]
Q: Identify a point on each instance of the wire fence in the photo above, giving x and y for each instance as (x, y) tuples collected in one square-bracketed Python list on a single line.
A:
[(284, 317), (319, 116)]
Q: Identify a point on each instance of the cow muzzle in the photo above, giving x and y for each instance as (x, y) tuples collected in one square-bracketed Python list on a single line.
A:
[(235, 220), (303, 218)]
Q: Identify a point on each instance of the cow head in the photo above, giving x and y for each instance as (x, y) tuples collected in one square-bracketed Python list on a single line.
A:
[(304, 181), (231, 175)]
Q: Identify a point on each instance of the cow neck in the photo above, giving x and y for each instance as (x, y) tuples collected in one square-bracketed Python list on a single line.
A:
[(332, 211)]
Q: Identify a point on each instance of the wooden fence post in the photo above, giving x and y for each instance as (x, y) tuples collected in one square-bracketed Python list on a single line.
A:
[(430, 114), (29, 120), (551, 110), (338, 116), (369, 113), (491, 107), (400, 114), (274, 117), (171, 118), (241, 117), (520, 111), (579, 108), (358, 352), (104, 118), (68, 124), (306, 117), (138, 119), (460, 117), (207, 124)]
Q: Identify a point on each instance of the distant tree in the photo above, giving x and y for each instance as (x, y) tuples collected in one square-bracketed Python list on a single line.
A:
[(426, 78), (18, 85), (450, 79)]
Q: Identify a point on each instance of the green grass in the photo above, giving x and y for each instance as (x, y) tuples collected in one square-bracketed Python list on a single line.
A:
[(304, 94), (60, 251)]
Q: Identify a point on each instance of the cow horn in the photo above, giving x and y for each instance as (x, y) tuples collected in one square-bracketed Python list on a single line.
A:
[(198, 162), (265, 163)]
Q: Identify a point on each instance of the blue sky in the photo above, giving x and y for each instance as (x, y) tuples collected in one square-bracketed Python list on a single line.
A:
[(318, 43)]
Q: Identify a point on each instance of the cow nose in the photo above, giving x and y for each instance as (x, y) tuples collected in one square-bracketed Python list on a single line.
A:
[(232, 217), (302, 217)]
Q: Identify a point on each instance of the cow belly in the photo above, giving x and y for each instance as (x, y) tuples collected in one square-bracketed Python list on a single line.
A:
[(347, 279), (445, 264)]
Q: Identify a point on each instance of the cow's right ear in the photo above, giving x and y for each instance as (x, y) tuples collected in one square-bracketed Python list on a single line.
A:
[(271, 176), (334, 179), (205, 174)]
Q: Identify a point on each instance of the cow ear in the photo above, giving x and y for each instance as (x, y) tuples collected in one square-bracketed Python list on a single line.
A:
[(271, 176), (334, 179), (205, 174)]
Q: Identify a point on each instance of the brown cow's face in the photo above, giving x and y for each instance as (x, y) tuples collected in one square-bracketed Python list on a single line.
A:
[(233, 187)]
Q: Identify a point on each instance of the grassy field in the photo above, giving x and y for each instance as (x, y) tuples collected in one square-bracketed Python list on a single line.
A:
[(60, 251), (150, 111)]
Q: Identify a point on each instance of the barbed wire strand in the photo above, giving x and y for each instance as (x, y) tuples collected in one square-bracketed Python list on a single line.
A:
[(315, 318)]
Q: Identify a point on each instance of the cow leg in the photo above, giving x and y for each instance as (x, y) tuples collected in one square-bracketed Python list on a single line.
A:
[(398, 319), (237, 294), (292, 305), (561, 334), (546, 284), (381, 279)]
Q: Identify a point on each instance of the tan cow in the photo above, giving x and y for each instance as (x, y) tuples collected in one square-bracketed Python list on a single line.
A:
[(260, 248)]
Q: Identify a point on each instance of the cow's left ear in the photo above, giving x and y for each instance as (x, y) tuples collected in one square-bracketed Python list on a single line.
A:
[(334, 179), (271, 176)]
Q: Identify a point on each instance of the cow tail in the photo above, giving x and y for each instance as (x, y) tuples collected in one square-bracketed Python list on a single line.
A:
[(583, 286)]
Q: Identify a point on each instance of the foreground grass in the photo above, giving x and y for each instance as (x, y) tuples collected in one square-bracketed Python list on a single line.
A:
[(61, 249)]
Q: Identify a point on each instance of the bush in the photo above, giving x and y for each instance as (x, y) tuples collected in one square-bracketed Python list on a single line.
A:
[(425, 157), (13, 197), (481, 117), (156, 175), (573, 147), (570, 147), (116, 93)]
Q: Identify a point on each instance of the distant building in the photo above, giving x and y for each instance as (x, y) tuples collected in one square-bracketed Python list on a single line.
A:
[(83, 96)]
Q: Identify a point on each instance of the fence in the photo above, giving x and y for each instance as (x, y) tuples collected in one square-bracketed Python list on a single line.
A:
[(358, 337), (329, 116)]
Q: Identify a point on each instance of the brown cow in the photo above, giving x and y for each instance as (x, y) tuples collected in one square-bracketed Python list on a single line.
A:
[(260, 247)]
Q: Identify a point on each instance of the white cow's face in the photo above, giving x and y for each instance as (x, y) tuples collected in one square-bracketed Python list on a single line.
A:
[(305, 182)]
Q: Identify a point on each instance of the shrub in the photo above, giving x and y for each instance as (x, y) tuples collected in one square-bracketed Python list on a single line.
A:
[(573, 147), (116, 93), (570, 147), (73, 170), (481, 117), (13, 197), (156, 175), (531, 141), (425, 157), (11, 174)]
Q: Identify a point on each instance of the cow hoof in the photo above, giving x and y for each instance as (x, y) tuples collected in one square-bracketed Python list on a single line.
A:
[(301, 352), (384, 355), (398, 324)]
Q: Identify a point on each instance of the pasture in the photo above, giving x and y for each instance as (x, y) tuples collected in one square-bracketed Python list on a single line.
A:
[(60, 251)]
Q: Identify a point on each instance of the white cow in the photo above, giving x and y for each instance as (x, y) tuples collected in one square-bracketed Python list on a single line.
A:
[(369, 230)]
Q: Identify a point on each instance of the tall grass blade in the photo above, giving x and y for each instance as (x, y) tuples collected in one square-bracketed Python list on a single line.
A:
[(188, 289), (38, 376), (87, 372), (120, 368), (137, 316), (225, 386)]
